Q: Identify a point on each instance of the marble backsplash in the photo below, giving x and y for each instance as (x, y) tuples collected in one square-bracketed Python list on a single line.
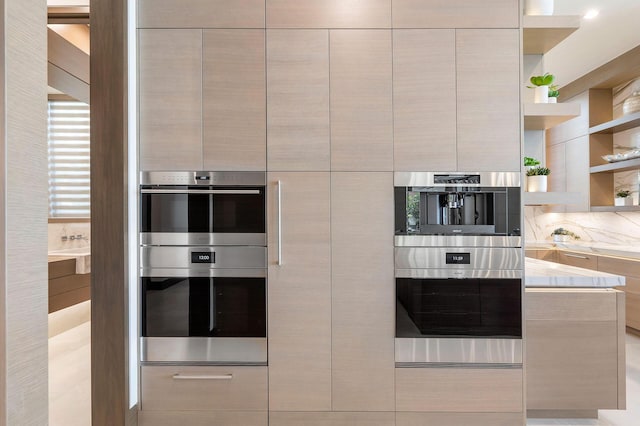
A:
[(59, 230), (621, 228)]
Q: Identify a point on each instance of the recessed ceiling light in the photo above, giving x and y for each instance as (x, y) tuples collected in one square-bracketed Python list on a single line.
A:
[(591, 14)]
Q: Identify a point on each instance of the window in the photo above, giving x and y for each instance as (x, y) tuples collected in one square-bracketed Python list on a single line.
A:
[(69, 188)]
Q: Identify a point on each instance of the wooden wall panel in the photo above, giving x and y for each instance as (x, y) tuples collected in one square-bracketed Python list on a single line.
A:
[(328, 14), (201, 13), (203, 418), (575, 127), (456, 14), (331, 419), (458, 419)]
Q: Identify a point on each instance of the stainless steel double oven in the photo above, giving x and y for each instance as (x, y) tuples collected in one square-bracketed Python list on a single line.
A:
[(458, 268), (203, 267)]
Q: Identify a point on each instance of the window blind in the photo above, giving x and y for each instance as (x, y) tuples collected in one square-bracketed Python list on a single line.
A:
[(69, 186)]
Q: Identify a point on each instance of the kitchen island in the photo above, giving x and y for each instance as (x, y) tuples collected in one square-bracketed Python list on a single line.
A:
[(575, 340)]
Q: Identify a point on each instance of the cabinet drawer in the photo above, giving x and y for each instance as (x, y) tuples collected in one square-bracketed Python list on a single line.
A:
[(457, 419), (203, 418), (176, 388), (614, 265), (581, 260), (464, 390)]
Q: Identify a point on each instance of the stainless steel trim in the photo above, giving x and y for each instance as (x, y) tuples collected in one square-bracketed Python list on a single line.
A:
[(480, 258), (457, 241), (232, 350), (458, 350), (180, 376), (487, 179), (456, 365), (230, 257), (204, 178), (203, 273), (279, 223), (458, 274), (202, 239), (202, 191), (576, 256)]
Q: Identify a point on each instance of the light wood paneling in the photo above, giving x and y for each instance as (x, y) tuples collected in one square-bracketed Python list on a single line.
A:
[(246, 390), (424, 78), (458, 419), (570, 305), (62, 267), (203, 418), (363, 299), (575, 127), (331, 419), (461, 390), (328, 14), (619, 266), (300, 293), (298, 128), (577, 172), (455, 14), (71, 282), (201, 13), (170, 85), (581, 260), (233, 100), (488, 113), (633, 309), (548, 255), (361, 100), (69, 298), (622, 348), (572, 364), (556, 159), (632, 284)]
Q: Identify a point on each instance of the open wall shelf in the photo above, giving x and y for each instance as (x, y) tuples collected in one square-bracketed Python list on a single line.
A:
[(543, 33), (619, 125), (619, 166), (545, 116)]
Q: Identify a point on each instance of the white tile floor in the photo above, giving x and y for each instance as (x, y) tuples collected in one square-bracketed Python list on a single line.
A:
[(70, 384)]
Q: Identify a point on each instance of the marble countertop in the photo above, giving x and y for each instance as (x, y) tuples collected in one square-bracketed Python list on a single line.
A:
[(81, 255), (606, 249), (540, 273)]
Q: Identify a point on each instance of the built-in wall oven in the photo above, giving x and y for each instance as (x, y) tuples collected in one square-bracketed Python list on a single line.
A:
[(203, 266), (458, 269)]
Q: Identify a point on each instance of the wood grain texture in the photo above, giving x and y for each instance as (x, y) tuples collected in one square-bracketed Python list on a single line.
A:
[(331, 419), (458, 419), (170, 99), (488, 130), (548, 255), (575, 127), (61, 268), (455, 14), (233, 100), (459, 390), (246, 391), (298, 129), (577, 172), (633, 309), (570, 305), (203, 418), (69, 298), (299, 311), (68, 283), (363, 297), (622, 349), (23, 212), (361, 100), (581, 260), (328, 13), (201, 13), (619, 266), (424, 129)]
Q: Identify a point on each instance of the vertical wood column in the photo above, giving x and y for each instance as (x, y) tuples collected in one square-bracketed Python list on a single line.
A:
[(109, 221)]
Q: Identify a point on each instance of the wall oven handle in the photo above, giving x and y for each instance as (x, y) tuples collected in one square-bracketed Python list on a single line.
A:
[(199, 191), (180, 376), (279, 223), (576, 256)]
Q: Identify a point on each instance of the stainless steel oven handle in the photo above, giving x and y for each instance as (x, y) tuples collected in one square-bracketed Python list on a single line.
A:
[(180, 376), (279, 223), (576, 256), (205, 191)]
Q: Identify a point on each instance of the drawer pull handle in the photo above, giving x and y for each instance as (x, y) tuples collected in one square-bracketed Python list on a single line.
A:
[(202, 377), (577, 256)]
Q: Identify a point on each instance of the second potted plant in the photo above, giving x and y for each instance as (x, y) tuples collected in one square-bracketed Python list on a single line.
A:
[(537, 179), (623, 198), (541, 85)]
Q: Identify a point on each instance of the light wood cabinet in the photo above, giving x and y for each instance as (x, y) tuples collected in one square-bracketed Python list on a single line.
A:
[(233, 100), (458, 419), (361, 100), (170, 99), (488, 120), (424, 79), (298, 100), (328, 14), (299, 292), (331, 419), (631, 270), (456, 14), (581, 260), (203, 418), (201, 13), (363, 300)]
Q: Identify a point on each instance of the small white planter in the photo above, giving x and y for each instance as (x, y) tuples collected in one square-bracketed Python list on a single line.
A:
[(561, 238), (553, 100), (538, 7), (541, 94), (621, 202), (537, 183)]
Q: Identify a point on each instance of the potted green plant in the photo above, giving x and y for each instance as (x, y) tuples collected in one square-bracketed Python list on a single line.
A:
[(553, 94), (623, 198), (538, 7), (563, 235), (541, 85), (537, 179)]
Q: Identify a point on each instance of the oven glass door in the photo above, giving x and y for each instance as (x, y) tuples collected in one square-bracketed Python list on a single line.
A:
[(458, 308), (203, 307), (187, 209)]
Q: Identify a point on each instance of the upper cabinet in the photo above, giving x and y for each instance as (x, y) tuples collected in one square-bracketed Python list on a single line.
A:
[(328, 14), (456, 14), (201, 13)]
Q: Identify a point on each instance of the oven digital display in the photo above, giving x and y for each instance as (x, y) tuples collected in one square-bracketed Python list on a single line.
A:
[(203, 257), (458, 258)]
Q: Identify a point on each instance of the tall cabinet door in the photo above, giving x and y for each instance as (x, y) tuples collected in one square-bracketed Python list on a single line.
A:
[(170, 114), (299, 291), (363, 292), (424, 108), (234, 108), (488, 73)]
